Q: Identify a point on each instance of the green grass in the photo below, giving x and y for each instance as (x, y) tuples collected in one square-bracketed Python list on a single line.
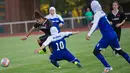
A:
[(23, 60)]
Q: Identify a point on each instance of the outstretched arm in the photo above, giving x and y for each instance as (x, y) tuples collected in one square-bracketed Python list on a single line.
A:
[(29, 33), (76, 32)]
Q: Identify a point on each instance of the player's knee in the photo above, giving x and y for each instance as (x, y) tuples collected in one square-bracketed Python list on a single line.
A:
[(38, 40), (52, 61), (121, 52), (95, 52)]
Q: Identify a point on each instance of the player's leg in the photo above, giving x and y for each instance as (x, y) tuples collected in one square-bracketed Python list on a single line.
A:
[(102, 44), (54, 61), (116, 45), (40, 42), (118, 32), (70, 58)]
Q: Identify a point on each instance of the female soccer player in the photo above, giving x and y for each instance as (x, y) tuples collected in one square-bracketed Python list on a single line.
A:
[(43, 24), (59, 49), (117, 19), (56, 19), (109, 36)]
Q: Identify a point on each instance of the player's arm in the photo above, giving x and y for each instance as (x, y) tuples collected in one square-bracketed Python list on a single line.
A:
[(120, 24), (67, 34), (109, 18), (46, 43), (123, 19), (29, 33), (76, 32), (94, 26), (61, 21)]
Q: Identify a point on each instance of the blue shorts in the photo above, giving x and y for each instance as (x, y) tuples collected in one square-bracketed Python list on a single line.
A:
[(62, 55), (104, 43)]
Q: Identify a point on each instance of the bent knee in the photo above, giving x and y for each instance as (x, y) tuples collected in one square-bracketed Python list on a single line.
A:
[(96, 52), (121, 52), (38, 40)]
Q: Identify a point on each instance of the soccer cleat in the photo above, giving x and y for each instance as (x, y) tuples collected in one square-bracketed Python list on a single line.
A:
[(59, 67), (41, 52), (107, 69), (78, 64)]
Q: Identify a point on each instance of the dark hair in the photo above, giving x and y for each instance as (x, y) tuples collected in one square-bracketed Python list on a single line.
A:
[(120, 8), (37, 14)]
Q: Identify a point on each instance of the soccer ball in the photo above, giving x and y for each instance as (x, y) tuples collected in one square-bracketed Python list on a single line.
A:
[(5, 62)]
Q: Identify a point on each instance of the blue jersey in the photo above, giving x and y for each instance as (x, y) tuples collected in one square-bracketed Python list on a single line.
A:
[(57, 42), (56, 20), (101, 21)]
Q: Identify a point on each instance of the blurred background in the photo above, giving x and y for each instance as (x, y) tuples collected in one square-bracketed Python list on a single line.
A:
[(16, 15)]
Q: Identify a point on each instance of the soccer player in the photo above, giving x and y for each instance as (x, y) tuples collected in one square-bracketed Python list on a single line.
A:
[(56, 19), (59, 50), (117, 19), (43, 24), (109, 36)]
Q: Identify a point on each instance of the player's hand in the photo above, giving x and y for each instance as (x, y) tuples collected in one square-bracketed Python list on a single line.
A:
[(118, 25), (76, 32), (88, 38), (36, 51), (24, 38)]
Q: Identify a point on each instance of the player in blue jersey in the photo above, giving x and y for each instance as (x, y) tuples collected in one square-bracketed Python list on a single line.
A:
[(59, 50), (56, 19), (109, 37)]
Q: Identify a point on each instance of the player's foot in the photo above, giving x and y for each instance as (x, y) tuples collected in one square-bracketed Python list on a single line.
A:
[(78, 64), (107, 69), (59, 67), (42, 52)]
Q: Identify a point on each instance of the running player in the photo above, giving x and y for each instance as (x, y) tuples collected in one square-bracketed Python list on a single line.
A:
[(109, 36), (43, 24), (117, 18), (59, 49)]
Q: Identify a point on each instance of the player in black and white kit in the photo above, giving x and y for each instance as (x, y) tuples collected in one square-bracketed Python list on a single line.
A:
[(42, 24), (117, 19)]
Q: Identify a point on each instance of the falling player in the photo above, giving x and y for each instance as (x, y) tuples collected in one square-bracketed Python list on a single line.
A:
[(59, 50)]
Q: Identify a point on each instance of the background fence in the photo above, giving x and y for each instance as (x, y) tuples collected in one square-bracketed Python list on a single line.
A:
[(24, 26)]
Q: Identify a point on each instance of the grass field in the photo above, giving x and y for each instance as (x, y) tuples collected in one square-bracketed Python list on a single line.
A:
[(23, 60)]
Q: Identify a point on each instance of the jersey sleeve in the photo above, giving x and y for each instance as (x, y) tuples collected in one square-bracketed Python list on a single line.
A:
[(95, 24), (47, 42), (66, 34), (61, 19), (36, 25), (109, 17), (123, 17)]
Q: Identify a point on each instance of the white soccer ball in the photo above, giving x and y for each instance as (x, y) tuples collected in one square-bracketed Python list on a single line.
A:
[(5, 62)]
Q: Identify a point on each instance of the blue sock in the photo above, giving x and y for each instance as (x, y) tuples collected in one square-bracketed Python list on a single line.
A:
[(126, 56), (55, 63), (102, 59)]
